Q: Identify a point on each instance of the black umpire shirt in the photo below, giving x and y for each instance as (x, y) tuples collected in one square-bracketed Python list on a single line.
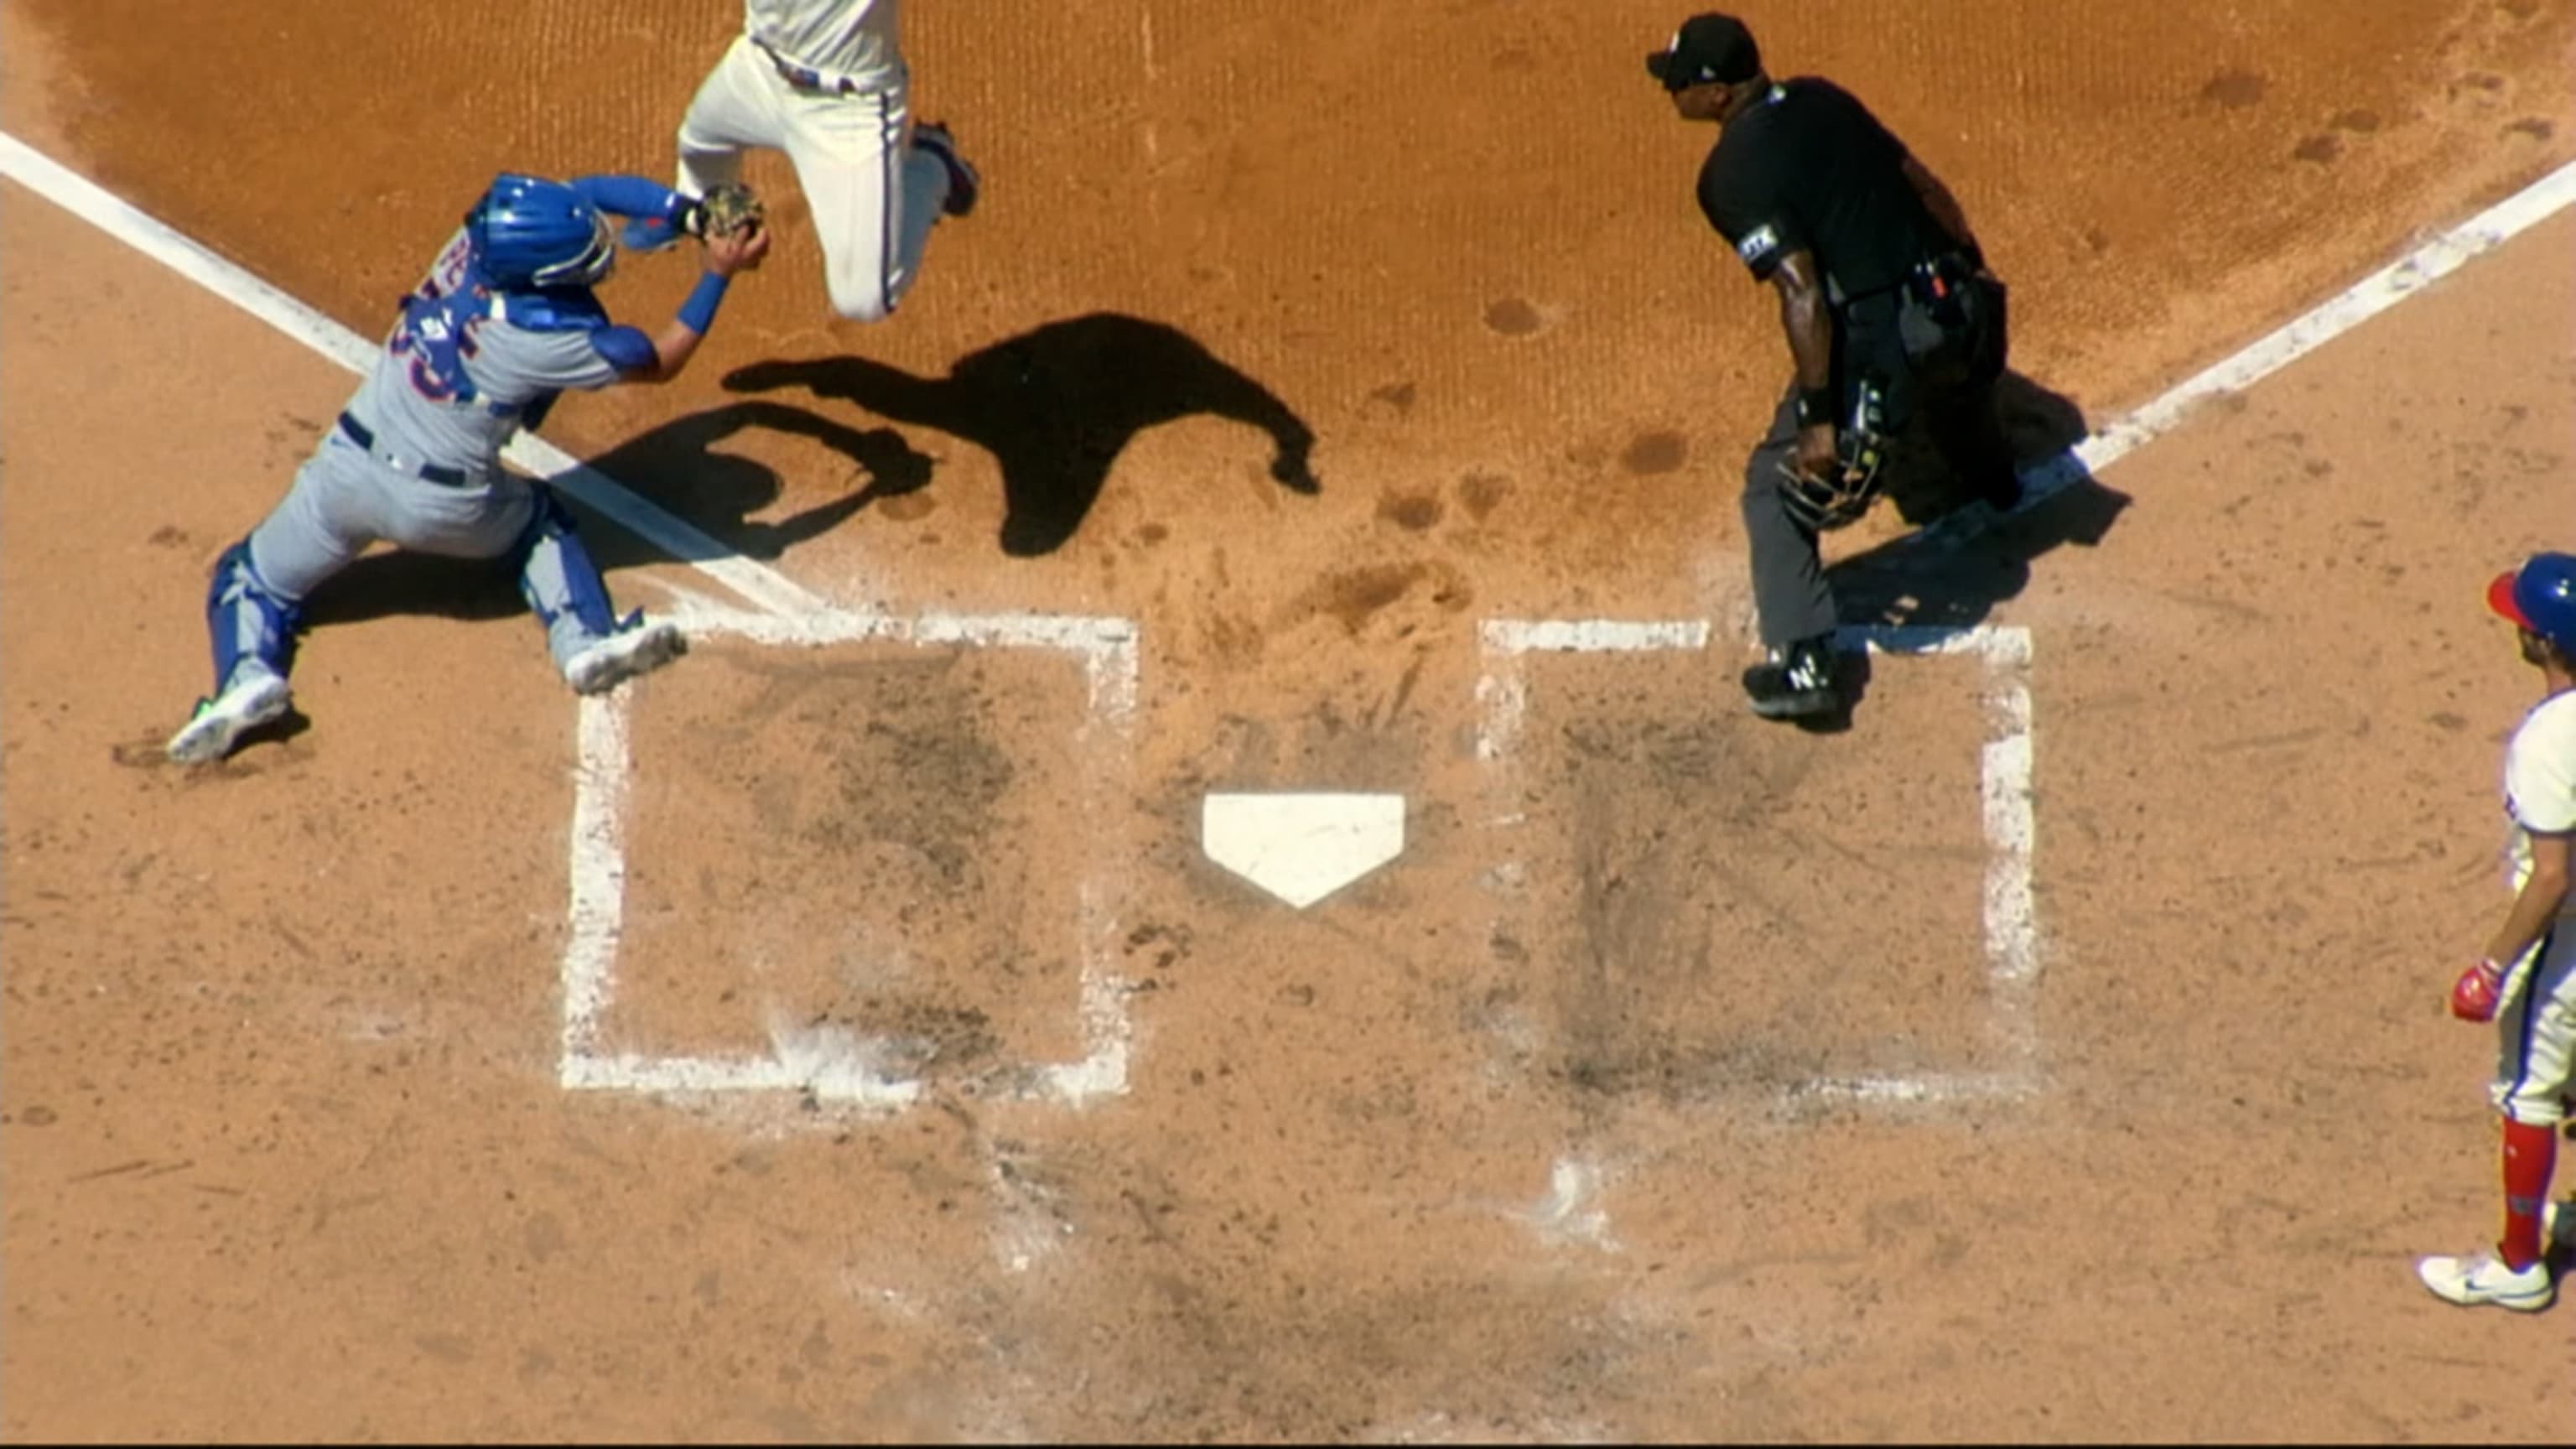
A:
[(1808, 168)]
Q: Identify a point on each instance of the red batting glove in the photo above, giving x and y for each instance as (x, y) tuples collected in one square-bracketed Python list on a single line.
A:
[(2475, 996)]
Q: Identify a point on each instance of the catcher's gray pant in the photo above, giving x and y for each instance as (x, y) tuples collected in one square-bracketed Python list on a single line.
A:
[(345, 499), (1790, 595)]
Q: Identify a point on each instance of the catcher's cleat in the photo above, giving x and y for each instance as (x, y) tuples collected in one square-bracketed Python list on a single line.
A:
[(636, 648), (257, 697), (1796, 682), (965, 184), (2484, 1279)]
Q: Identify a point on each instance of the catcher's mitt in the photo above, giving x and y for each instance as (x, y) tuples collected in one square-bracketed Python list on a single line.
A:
[(1860, 451), (728, 208)]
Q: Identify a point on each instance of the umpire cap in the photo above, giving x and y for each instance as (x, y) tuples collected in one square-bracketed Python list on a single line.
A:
[(1709, 47)]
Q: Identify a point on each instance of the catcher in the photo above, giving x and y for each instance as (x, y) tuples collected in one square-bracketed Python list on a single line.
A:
[(505, 322), (1890, 314)]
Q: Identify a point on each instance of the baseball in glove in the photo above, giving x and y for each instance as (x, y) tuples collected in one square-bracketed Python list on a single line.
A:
[(1821, 505), (728, 208)]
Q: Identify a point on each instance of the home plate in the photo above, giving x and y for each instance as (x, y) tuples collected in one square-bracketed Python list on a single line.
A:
[(1302, 847)]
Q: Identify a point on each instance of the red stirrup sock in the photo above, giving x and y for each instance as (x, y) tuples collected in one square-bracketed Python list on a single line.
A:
[(2530, 1156)]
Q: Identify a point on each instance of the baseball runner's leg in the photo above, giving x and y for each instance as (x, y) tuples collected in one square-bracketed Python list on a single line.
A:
[(2535, 1071), (593, 648), (874, 197), (2536, 1067), (737, 106)]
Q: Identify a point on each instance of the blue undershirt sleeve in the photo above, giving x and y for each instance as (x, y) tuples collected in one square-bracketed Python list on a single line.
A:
[(627, 195)]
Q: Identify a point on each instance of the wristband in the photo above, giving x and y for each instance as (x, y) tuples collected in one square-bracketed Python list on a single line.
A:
[(1815, 405), (699, 312)]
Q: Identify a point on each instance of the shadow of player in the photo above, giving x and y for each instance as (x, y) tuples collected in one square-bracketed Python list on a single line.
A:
[(679, 468), (1055, 407), (1965, 558)]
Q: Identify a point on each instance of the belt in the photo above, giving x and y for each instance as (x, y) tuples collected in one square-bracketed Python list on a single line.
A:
[(365, 437), (805, 75)]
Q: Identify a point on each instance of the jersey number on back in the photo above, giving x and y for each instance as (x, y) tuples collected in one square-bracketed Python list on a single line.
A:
[(437, 335)]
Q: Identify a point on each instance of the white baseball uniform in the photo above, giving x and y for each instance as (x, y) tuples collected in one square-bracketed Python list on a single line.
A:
[(2536, 1060), (825, 82)]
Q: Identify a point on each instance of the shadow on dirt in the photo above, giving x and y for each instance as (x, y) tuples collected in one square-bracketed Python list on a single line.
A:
[(1055, 406), (1964, 558)]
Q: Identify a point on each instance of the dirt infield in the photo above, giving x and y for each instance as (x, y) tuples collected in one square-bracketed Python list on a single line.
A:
[(1683, 1079)]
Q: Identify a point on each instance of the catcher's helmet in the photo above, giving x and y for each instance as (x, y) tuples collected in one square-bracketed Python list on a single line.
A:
[(2540, 596), (531, 232)]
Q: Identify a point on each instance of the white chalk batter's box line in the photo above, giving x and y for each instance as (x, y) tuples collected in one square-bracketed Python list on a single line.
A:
[(2012, 945), (830, 1066)]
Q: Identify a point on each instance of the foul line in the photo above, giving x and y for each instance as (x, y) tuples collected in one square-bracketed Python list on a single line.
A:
[(2433, 260)]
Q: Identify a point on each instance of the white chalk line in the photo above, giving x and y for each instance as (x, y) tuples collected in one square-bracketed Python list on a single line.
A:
[(831, 1066), (2444, 254), (2012, 938)]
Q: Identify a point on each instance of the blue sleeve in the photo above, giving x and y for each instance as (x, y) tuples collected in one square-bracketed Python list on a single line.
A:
[(626, 348), (628, 195)]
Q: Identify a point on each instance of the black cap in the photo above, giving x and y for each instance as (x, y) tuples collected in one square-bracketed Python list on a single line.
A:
[(1707, 48)]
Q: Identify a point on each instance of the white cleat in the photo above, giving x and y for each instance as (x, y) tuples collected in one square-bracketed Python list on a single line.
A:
[(637, 649), (261, 697), (2483, 1279)]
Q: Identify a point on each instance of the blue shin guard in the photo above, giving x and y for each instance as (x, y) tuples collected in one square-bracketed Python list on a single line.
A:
[(247, 620), (560, 583)]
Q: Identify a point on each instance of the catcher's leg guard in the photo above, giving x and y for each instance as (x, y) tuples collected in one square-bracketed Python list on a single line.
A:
[(247, 620), (560, 582)]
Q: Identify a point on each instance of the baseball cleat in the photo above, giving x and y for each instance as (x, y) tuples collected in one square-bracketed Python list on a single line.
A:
[(220, 722), (965, 184), (638, 648), (2483, 1278), (1796, 682)]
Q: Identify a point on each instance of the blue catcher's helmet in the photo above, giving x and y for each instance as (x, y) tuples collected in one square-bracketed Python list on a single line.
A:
[(531, 232), (2540, 596)]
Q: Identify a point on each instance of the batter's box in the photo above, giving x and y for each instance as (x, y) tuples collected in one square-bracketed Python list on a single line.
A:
[(1692, 903), (873, 854)]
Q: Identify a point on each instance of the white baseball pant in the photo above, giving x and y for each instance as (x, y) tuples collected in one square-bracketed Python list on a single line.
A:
[(873, 196)]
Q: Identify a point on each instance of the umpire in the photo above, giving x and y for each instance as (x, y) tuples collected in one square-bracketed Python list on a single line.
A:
[(1891, 317)]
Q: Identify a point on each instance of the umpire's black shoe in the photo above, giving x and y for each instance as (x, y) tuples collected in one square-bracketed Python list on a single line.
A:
[(1797, 682)]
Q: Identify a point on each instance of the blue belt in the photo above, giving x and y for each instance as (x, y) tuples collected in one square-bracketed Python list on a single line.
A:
[(806, 76), (365, 437)]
